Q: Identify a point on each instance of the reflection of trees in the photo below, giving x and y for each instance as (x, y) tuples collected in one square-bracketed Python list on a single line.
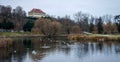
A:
[(100, 46), (65, 50), (19, 50), (81, 50), (28, 43), (108, 48), (38, 55), (44, 46), (40, 51), (84, 49), (39, 43), (38, 48), (5, 54), (117, 49), (64, 47)]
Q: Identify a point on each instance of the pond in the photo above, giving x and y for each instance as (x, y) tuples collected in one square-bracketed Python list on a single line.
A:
[(56, 50)]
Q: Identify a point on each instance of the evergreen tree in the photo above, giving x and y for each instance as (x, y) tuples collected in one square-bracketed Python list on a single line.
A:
[(117, 21), (100, 26), (91, 27), (28, 26)]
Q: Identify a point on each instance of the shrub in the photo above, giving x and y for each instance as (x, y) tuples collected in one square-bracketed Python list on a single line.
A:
[(5, 42)]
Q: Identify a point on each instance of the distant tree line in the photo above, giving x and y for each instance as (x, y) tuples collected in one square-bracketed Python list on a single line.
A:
[(12, 18), (16, 19)]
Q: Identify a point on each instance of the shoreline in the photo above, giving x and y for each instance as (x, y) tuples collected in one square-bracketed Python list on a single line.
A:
[(77, 37), (15, 36), (94, 37)]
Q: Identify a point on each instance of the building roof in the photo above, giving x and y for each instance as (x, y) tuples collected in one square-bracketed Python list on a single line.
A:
[(34, 10)]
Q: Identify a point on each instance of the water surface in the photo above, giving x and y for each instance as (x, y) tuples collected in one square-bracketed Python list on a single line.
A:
[(51, 50)]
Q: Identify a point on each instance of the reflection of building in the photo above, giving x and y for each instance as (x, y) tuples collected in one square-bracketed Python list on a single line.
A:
[(36, 13)]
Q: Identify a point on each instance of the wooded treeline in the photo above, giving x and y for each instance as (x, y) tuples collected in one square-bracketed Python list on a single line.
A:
[(16, 20)]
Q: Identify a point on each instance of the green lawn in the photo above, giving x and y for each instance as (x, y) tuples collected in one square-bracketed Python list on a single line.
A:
[(13, 33), (29, 33)]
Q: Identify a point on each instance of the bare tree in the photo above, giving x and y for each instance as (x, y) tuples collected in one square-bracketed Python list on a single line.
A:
[(107, 18), (108, 28), (92, 24), (47, 27), (95, 30), (76, 29), (82, 20), (19, 18), (67, 23)]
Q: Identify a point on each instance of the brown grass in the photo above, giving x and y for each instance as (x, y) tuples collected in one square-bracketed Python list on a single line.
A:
[(5, 42), (79, 37)]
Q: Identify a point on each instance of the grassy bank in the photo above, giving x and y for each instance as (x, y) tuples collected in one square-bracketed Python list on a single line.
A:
[(14, 33), (17, 34), (25, 34), (93, 37), (77, 37)]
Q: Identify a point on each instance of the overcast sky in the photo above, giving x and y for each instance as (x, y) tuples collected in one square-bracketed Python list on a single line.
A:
[(63, 7)]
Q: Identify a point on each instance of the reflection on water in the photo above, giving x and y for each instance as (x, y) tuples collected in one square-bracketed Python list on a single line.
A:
[(49, 50)]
